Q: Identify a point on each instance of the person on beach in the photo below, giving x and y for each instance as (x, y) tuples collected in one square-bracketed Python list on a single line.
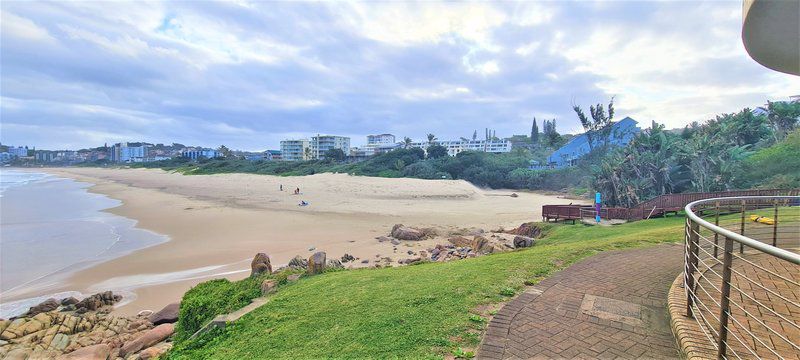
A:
[(281, 187), (302, 203)]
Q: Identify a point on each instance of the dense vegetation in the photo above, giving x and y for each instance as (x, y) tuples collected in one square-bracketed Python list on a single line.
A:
[(732, 151), (420, 311)]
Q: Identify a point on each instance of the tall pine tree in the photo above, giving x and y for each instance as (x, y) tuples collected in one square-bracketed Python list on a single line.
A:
[(534, 132)]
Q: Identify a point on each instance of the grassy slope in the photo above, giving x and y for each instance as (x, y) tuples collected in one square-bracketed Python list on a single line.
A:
[(420, 311)]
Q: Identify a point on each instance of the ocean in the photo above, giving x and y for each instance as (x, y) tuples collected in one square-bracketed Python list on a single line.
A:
[(51, 227)]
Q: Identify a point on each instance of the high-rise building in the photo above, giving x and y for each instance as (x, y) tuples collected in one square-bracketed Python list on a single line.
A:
[(381, 139), (295, 150), (322, 143)]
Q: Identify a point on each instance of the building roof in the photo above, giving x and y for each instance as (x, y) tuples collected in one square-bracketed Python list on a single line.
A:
[(621, 134)]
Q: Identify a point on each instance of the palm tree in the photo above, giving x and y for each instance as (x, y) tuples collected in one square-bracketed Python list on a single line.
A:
[(407, 142), (431, 139), (307, 153)]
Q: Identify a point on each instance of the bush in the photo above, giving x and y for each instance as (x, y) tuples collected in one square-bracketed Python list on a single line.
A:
[(206, 300)]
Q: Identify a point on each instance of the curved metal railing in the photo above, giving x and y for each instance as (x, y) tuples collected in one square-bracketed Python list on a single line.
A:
[(747, 300)]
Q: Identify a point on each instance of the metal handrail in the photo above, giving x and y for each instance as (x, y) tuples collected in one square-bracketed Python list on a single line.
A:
[(766, 248), (695, 277)]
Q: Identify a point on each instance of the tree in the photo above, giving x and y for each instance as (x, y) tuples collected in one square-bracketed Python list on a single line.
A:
[(534, 132), (399, 164), (224, 151), (406, 142), (431, 139), (552, 136), (783, 117), (597, 127), (436, 151), (307, 153), (475, 135), (336, 155)]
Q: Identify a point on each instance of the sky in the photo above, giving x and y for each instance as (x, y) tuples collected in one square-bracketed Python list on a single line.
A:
[(247, 74)]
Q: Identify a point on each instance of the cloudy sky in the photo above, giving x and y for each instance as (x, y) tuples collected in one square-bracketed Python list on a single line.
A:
[(248, 74)]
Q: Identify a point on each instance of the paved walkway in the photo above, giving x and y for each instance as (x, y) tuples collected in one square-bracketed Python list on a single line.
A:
[(611, 305)]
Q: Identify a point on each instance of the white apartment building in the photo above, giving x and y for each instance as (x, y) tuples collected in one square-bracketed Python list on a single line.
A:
[(295, 149), (18, 151), (456, 146), (322, 143), (201, 153), (380, 140), (124, 152)]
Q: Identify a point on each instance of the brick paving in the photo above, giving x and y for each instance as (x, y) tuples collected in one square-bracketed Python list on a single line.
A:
[(611, 305)]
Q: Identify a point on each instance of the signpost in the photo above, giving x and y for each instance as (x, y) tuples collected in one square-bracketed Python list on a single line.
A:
[(597, 207)]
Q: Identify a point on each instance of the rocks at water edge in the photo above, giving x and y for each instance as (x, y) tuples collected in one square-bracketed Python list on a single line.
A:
[(45, 306), (260, 265), (97, 301), (169, 314), (150, 338), (402, 232), (523, 241), (316, 263)]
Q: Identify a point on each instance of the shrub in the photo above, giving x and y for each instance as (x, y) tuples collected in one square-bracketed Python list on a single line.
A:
[(206, 300)]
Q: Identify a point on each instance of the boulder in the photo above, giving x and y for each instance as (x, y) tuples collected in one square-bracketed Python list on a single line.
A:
[(18, 354), (97, 301), (402, 232), (154, 351), (395, 242), (45, 306), (93, 352), (69, 301), (348, 258), (150, 338), (268, 286), (298, 263), (527, 229), (460, 241), (316, 263), (260, 265), (481, 245), (335, 264), (169, 314), (523, 241), (293, 277)]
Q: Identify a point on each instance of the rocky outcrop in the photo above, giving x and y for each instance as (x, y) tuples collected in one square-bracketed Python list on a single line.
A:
[(92, 352), (298, 263), (316, 263), (97, 301), (527, 229), (347, 258), (523, 241), (260, 265), (482, 245), (335, 264), (402, 232), (154, 351), (169, 314), (45, 306), (150, 338), (460, 241)]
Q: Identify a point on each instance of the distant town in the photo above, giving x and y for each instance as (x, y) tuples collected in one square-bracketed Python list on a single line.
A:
[(315, 147)]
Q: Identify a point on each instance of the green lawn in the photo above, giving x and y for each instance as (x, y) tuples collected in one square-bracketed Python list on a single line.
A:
[(420, 311)]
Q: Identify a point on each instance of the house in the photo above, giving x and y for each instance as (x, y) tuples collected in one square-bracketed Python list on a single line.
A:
[(622, 132)]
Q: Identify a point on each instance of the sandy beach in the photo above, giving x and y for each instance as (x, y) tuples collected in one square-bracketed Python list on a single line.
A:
[(216, 223)]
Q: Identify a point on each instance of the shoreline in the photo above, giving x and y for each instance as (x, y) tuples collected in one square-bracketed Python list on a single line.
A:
[(216, 223)]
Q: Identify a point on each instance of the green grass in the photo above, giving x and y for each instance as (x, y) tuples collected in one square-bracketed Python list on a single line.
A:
[(423, 311)]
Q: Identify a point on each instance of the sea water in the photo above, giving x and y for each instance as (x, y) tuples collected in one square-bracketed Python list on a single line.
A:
[(51, 227)]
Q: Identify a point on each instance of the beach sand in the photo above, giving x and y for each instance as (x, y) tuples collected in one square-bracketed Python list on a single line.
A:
[(216, 223)]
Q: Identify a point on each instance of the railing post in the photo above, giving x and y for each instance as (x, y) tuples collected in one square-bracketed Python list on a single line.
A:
[(727, 260), (741, 231), (691, 264), (716, 235), (775, 225)]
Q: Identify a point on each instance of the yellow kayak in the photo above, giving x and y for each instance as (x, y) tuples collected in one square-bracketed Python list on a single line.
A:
[(762, 219)]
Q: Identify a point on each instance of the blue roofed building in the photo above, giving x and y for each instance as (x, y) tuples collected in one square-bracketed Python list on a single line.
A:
[(622, 132)]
